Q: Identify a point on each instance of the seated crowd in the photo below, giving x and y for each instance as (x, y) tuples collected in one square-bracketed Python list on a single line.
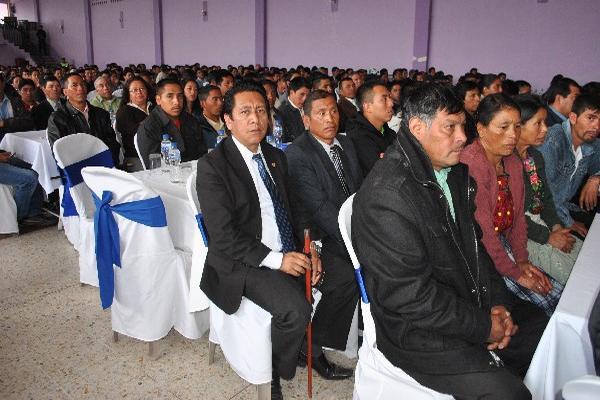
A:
[(472, 201)]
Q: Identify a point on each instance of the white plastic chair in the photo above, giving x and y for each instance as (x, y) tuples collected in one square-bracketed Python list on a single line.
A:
[(148, 287), (8, 215), (72, 153), (586, 387), (137, 149), (375, 377)]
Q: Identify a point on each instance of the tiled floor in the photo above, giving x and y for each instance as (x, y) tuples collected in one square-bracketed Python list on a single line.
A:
[(56, 342)]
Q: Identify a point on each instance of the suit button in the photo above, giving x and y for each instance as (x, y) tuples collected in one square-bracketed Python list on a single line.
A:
[(257, 237)]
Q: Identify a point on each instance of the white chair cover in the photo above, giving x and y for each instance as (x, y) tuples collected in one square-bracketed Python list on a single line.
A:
[(198, 300), (151, 286), (70, 224), (375, 377), (69, 151), (584, 388), (137, 149), (8, 211)]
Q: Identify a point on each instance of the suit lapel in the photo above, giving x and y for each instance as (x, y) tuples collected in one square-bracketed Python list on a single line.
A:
[(237, 162)]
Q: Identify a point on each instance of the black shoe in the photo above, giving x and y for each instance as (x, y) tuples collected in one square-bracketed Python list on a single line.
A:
[(276, 389), (39, 221), (326, 369)]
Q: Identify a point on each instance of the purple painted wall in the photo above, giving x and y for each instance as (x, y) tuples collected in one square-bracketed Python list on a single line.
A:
[(227, 37), (527, 40), (71, 43), (130, 43), (24, 9), (375, 33)]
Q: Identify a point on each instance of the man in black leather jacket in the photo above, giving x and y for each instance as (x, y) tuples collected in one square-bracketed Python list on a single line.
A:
[(442, 313), (76, 115)]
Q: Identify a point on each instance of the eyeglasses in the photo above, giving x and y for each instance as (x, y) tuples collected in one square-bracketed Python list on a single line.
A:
[(138, 90)]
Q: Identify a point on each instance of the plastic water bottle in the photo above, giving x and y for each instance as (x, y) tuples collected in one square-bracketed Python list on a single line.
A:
[(277, 132), (165, 146), (175, 164), (221, 135)]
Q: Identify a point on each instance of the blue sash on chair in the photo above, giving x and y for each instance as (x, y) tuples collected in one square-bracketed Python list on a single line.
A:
[(361, 284), (149, 212), (71, 176), (202, 227)]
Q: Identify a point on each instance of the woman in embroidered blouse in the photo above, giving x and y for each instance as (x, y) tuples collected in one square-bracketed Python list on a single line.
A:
[(550, 245), (500, 212)]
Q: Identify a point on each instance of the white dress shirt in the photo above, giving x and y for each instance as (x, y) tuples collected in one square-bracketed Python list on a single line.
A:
[(327, 147), (296, 107), (270, 232), (53, 103)]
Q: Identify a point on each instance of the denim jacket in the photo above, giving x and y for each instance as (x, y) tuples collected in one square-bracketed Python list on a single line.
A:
[(557, 150)]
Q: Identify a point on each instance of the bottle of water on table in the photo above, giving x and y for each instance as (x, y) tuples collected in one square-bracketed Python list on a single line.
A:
[(277, 132), (165, 147), (175, 163)]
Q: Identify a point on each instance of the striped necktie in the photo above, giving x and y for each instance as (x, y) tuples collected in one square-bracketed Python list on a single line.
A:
[(281, 217), (336, 152)]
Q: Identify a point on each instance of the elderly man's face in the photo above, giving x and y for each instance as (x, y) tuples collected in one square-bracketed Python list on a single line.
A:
[(75, 90), (443, 140), (52, 90), (324, 119), (103, 89)]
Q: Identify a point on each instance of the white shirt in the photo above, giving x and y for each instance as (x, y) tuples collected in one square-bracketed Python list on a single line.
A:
[(328, 147), (270, 232), (578, 156), (53, 103), (354, 103), (140, 108)]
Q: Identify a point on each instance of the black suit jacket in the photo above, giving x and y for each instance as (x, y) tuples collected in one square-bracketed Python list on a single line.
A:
[(293, 126), (316, 193), (231, 210), (552, 118), (41, 113), (347, 112)]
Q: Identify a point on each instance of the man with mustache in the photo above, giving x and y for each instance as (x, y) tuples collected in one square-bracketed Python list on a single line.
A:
[(369, 129), (571, 152), (442, 313), (168, 118)]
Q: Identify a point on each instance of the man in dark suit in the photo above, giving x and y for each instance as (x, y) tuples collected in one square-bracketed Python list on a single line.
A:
[(324, 172), (242, 190), (442, 312), (41, 113), (291, 109), (369, 130), (347, 101)]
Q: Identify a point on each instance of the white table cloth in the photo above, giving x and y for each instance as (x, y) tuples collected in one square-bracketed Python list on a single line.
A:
[(34, 148), (180, 218), (565, 350)]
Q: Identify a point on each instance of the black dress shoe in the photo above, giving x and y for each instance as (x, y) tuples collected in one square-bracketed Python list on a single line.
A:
[(276, 389), (326, 369)]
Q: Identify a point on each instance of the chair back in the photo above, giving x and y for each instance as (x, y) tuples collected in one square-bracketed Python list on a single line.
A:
[(73, 153), (198, 300), (144, 285), (137, 149)]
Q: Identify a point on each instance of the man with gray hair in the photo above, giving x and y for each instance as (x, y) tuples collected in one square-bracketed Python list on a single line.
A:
[(104, 98)]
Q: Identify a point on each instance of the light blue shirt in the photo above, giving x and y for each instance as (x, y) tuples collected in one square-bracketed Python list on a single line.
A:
[(6, 110), (442, 178)]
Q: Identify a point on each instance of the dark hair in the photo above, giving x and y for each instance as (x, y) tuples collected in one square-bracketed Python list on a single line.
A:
[(582, 103), (426, 100), (521, 84), (510, 87), (271, 84), (221, 74), (393, 83), (196, 105), (49, 78), (529, 105), (160, 86), (491, 105), (204, 92), (298, 83), (486, 81), (26, 82), (365, 92), (317, 79), (344, 79), (317, 94), (559, 87), (591, 88), (69, 75), (463, 87), (241, 87), (126, 98)]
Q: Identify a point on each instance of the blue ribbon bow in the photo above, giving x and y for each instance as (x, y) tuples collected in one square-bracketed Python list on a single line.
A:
[(71, 176), (149, 212)]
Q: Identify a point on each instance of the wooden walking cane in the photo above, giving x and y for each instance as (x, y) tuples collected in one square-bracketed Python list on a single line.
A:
[(307, 280)]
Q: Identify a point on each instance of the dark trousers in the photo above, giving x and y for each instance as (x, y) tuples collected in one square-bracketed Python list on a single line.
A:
[(333, 316), (281, 295), (503, 383)]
